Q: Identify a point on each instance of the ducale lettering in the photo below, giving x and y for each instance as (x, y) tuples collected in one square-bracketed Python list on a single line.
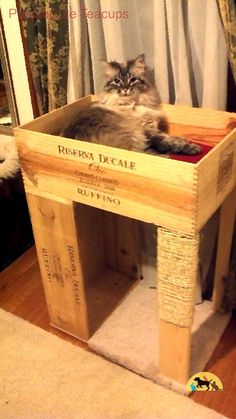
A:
[(114, 161)]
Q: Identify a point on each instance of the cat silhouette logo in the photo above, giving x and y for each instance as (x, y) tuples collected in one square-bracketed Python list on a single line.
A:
[(204, 381)]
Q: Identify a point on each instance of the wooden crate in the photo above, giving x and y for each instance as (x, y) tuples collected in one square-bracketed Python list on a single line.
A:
[(89, 254)]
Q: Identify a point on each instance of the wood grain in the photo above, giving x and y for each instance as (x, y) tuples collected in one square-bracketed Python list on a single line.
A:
[(59, 258), (216, 178), (175, 351), (225, 236), (122, 244)]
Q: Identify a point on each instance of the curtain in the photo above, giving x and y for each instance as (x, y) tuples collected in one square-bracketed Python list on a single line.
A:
[(46, 38), (228, 14), (184, 43), (182, 40), (80, 78)]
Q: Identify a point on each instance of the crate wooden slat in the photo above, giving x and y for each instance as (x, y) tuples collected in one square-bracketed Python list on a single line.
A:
[(225, 237), (60, 265)]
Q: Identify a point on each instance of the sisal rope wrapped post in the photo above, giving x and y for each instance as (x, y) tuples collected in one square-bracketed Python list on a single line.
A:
[(177, 274)]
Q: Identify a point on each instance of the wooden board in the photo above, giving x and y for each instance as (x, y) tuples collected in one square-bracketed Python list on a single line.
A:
[(216, 178), (225, 236), (122, 244), (59, 259), (175, 351)]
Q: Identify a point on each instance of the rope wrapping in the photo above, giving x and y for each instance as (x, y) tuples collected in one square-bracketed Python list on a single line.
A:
[(177, 275)]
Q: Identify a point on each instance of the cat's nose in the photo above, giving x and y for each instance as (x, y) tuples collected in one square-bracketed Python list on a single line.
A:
[(125, 91)]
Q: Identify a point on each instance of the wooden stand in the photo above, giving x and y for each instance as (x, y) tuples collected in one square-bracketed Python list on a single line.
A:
[(85, 201)]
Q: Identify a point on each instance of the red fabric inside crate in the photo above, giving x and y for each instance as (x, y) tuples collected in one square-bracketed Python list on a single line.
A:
[(193, 159)]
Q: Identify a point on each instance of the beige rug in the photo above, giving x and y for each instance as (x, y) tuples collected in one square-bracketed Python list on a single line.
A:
[(43, 376), (129, 336)]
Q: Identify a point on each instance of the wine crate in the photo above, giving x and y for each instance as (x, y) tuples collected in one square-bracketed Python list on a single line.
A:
[(176, 194)]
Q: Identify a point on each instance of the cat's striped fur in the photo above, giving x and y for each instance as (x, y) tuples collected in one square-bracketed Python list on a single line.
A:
[(127, 114)]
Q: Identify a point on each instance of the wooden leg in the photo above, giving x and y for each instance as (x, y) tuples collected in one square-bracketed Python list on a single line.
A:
[(60, 264), (174, 351), (177, 269), (226, 228)]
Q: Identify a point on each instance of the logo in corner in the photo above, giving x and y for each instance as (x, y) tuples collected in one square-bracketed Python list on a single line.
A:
[(204, 381)]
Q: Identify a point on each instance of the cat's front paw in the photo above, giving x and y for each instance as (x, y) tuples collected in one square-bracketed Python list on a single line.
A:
[(194, 149), (182, 146)]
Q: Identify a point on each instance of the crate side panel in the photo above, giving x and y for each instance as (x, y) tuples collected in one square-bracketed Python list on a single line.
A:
[(122, 244), (60, 264), (54, 121), (176, 114), (205, 126), (216, 178), (104, 157), (199, 117), (148, 188)]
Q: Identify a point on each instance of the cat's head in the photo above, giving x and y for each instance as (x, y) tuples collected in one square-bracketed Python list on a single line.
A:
[(127, 81)]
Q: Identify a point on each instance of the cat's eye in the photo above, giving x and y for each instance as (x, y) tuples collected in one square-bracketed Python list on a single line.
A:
[(117, 81), (133, 80)]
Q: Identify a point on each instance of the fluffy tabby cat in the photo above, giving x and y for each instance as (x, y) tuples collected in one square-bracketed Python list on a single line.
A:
[(127, 114)]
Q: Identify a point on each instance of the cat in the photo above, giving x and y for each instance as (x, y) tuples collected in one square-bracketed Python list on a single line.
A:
[(9, 162), (127, 114)]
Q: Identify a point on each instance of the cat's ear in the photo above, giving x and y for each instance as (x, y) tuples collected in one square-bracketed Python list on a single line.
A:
[(138, 66), (109, 70)]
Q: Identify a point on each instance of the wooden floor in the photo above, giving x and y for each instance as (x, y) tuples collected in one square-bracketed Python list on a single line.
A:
[(21, 293)]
